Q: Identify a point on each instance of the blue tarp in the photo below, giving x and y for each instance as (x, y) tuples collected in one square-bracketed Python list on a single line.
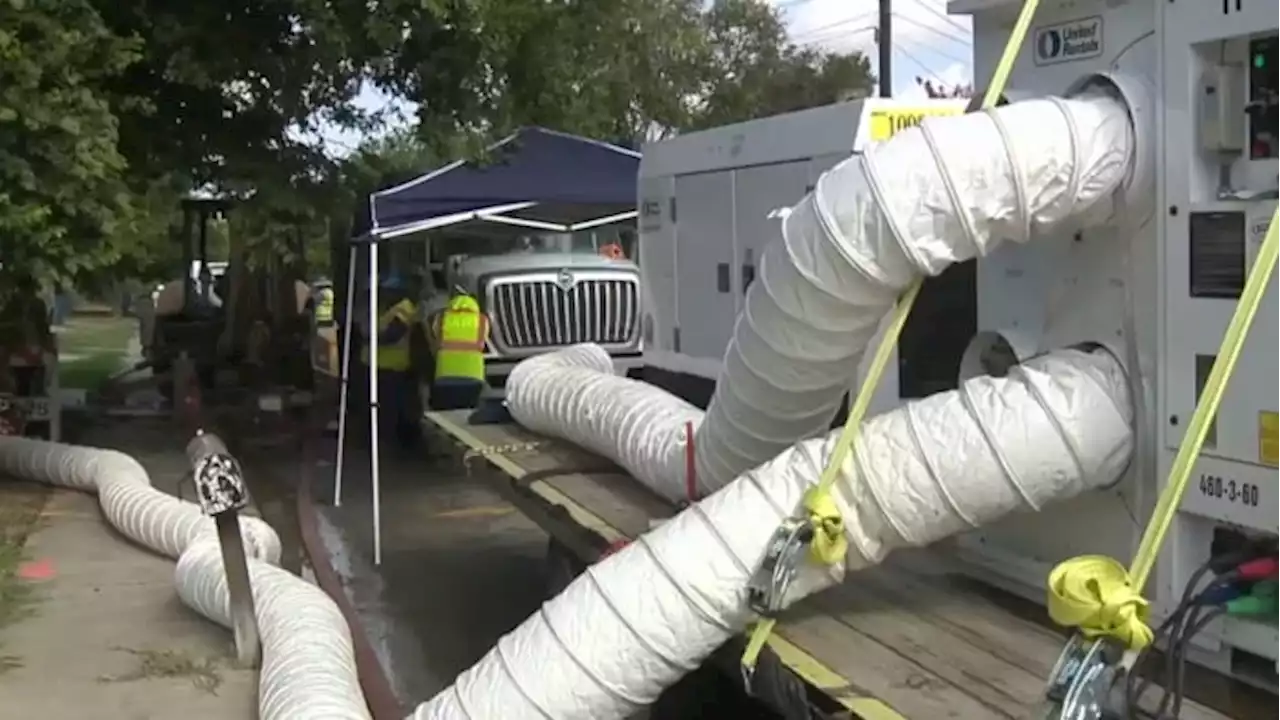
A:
[(534, 165)]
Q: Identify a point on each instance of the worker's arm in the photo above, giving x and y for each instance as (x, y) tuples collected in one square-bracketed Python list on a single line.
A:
[(434, 330), (394, 333)]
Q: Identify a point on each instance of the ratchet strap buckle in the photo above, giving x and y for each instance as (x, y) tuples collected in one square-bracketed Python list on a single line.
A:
[(1081, 684), (771, 581)]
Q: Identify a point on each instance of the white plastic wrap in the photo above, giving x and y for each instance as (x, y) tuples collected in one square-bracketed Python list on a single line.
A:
[(308, 663), (637, 621)]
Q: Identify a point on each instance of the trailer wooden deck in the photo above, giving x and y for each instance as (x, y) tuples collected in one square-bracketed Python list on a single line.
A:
[(906, 641)]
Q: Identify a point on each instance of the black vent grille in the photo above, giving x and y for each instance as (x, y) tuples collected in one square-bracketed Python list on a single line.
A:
[(1204, 365), (1217, 254)]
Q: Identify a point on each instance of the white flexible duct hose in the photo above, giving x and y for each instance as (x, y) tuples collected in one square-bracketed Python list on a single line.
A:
[(1057, 426), (946, 191), (308, 664), (636, 622)]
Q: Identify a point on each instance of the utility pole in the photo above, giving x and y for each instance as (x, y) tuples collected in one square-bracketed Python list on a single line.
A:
[(884, 32)]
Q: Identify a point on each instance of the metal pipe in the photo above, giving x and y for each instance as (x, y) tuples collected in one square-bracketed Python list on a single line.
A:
[(222, 493), (884, 32)]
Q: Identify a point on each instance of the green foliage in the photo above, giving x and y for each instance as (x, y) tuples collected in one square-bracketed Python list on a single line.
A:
[(61, 189), (220, 85), (754, 71), (621, 71), (111, 111)]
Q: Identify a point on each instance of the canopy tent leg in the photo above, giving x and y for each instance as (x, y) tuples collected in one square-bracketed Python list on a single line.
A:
[(374, 435), (346, 376)]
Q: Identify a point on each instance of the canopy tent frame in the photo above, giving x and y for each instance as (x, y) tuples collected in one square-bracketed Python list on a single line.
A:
[(499, 213)]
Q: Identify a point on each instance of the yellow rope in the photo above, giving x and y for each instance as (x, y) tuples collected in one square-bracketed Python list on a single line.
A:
[(829, 544), (1097, 595)]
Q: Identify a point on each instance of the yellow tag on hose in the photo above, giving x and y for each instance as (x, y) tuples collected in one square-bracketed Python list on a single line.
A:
[(1094, 593), (829, 545)]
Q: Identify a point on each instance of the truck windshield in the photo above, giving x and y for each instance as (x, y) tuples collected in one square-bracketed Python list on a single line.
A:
[(543, 243)]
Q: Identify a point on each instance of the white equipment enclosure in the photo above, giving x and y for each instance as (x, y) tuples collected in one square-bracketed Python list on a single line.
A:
[(712, 200), (1159, 293)]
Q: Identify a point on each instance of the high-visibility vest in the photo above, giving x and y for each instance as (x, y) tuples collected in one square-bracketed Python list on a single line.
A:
[(394, 356), (462, 333), (324, 306)]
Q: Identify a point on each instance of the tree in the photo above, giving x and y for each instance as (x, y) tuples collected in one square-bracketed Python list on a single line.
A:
[(601, 69), (222, 91), (608, 70), (754, 71), (61, 194)]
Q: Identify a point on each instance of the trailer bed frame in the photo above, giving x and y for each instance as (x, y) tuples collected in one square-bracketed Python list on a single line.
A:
[(905, 641)]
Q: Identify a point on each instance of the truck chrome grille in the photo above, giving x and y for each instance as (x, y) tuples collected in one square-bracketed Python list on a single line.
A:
[(530, 314)]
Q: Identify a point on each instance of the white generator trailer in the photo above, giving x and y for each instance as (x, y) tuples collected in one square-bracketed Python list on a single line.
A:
[(1135, 218), (703, 197), (1161, 293)]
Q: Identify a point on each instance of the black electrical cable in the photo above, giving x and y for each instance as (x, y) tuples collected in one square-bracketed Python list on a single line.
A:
[(1183, 623), (1134, 690), (1195, 624)]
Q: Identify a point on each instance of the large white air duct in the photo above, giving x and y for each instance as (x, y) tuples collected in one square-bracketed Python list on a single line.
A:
[(636, 622), (1057, 426), (947, 191), (308, 664)]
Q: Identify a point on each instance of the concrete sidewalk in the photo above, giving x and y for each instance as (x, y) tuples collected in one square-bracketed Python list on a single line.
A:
[(107, 635)]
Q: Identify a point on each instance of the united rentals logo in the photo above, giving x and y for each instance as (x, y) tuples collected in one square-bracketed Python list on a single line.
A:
[(1069, 41), (565, 280)]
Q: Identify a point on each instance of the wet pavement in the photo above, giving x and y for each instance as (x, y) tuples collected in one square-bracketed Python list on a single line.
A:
[(460, 567)]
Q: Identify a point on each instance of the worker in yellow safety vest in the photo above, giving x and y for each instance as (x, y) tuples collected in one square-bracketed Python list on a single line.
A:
[(324, 304), (396, 385), (460, 335)]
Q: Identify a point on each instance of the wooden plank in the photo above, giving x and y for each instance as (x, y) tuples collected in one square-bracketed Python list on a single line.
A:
[(1000, 685), (907, 640), (912, 691)]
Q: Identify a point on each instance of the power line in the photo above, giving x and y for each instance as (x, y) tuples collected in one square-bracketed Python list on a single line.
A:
[(934, 12), (836, 36), (789, 4), (919, 63), (943, 53), (829, 26), (929, 28)]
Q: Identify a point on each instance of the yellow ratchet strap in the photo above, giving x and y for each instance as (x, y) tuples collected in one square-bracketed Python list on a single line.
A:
[(1097, 595), (829, 544)]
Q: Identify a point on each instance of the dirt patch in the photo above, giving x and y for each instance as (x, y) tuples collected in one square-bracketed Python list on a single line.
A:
[(20, 507), (204, 673)]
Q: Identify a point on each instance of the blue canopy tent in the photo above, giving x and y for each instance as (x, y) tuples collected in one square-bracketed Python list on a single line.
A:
[(535, 178)]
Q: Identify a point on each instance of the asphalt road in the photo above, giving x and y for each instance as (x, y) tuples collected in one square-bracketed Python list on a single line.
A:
[(460, 568)]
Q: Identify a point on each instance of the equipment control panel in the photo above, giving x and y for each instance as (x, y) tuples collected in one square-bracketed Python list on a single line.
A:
[(1262, 107)]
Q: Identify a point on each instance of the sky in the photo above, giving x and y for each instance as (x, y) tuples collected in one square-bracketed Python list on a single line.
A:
[(927, 44)]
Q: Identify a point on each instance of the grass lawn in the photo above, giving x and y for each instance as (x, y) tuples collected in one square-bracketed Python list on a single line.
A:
[(93, 348), (20, 506)]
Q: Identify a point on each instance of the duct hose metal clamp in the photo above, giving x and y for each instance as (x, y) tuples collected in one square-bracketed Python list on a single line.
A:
[(767, 589), (1082, 681)]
